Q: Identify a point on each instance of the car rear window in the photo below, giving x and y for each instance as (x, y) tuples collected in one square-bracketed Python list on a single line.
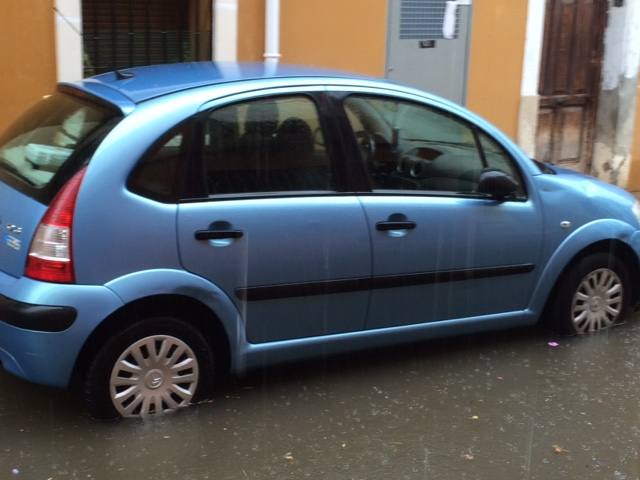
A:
[(43, 143)]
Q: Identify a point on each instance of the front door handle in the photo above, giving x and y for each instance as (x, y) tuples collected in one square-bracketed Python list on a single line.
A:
[(387, 226), (217, 234)]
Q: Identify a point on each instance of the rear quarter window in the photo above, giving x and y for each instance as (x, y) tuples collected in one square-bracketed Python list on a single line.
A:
[(47, 141)]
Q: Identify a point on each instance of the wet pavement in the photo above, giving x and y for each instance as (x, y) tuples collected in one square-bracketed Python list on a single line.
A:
[(491, 406)]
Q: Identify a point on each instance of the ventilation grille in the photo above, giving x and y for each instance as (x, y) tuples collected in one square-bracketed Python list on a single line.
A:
[(423, 19)]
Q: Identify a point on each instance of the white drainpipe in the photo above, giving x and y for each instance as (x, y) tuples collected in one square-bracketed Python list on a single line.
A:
[(272, 33)]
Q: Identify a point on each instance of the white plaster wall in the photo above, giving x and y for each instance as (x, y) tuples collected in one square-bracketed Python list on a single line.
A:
[(622, 44), (533, 47), (616, 110), (68, 25), (528, 115), (225, 30)]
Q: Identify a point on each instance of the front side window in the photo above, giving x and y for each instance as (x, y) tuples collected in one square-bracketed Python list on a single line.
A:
[(498, 158), (407, 146), (266, 146)]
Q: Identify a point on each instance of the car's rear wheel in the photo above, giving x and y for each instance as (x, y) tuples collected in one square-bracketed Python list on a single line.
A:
[(593, 295), (156, 365)]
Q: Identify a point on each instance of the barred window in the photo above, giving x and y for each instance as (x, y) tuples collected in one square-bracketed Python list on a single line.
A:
[(128, 33)]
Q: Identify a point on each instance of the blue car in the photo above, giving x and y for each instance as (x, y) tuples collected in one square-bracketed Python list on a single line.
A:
[(162, 226)]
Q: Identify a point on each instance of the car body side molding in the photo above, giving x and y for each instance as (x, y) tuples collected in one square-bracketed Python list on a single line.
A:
[(289, 290)]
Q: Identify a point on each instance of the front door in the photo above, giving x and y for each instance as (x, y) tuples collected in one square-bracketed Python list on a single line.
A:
[(419, 56), (440, 250), (270, 228), (570, 81)]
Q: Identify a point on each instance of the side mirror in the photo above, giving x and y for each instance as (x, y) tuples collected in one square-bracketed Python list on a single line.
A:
[(497, 184)]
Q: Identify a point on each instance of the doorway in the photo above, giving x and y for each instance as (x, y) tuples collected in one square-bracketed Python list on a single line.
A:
[(420, 56), (570, 81)]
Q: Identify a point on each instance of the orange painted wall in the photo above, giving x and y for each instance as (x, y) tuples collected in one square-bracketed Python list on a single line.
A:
[(634, 174), (351, 35), (495, 63), (251, 30), (346, 35), (27, 55)]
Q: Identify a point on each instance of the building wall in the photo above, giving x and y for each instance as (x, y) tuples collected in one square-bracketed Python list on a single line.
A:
[(337, 34), (612, 160), (326, 34), (496, 58), (345, 35), (251, 30), (27, 55)]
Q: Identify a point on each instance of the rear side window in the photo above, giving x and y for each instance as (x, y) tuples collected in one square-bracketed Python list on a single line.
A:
[(44, 139), (266, 146)]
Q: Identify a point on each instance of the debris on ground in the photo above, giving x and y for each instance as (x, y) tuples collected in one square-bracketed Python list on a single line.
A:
[(553, 344), (559, 449)]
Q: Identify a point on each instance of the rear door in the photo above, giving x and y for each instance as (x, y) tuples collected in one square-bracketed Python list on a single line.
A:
[(271, 225), (440, 250), (38, 153)]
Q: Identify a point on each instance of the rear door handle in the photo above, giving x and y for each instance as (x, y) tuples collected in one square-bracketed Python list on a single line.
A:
[(386, 226), (217, 234)]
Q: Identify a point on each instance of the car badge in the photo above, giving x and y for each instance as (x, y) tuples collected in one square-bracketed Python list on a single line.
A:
[(16, 230), (13, 242)]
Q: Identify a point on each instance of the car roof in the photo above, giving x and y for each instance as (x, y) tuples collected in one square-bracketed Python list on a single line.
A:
[(139, 84)]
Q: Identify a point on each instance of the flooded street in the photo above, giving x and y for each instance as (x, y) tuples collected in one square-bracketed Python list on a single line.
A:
[(496, 406)]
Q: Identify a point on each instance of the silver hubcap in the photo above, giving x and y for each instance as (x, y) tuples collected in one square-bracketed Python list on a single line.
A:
[(154, 375), (598, 301)]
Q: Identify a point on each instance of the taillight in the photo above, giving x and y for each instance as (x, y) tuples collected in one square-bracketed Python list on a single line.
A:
[(51, 256)]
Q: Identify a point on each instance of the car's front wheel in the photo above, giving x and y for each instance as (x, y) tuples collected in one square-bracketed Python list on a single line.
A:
[(154, 366), (593, 295)]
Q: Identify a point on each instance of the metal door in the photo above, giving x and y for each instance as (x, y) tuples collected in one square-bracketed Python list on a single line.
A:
[(570, 81), (418, 55)]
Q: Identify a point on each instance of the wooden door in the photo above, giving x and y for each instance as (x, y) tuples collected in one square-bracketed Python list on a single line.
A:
[(570, 81)]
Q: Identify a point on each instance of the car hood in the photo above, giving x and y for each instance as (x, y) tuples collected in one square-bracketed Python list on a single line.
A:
[(586, 196), (594, 186)]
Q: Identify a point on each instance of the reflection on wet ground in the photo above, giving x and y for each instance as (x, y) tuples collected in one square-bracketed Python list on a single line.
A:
[(492, 406)]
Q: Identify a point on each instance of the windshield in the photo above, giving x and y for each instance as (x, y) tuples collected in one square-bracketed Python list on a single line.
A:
[(40, 142)]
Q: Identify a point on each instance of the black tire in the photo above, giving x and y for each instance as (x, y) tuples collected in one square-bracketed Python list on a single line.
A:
[(561, 311), (96, 388)]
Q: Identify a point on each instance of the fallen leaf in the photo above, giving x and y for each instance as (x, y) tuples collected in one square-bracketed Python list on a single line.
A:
[(559, 449), (468, 456), (289, 457)]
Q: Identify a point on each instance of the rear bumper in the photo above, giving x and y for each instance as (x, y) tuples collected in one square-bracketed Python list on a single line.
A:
[(44, 326), (44, 318)]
